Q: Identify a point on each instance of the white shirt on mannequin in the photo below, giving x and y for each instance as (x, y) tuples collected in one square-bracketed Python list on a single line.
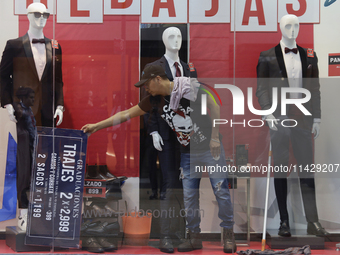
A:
[(171, 63), (293, 68), (35, 31), (172, 39), (289, 26), (39, 54)]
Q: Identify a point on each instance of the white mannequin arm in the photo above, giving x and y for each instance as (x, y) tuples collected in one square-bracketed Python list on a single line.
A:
[(272, 121), (157, 140), (316, 129), (59, 112), (11, 111)]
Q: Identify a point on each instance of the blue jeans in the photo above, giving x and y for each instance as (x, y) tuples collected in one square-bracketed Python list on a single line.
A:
[(191, 181)]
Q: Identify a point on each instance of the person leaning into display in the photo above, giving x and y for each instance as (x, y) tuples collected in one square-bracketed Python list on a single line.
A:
[(192, 129), (165, 144)]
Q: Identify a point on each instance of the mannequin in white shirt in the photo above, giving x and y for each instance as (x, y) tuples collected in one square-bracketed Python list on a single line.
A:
[(165, 142), (289, 26), (172, 39), (35, 31), (36, 26), (289, 65)]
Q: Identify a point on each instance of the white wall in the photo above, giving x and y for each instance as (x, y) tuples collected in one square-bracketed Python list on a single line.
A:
[(9, 24)]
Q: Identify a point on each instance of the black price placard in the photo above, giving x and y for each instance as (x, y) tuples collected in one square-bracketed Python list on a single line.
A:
[(57, 184)]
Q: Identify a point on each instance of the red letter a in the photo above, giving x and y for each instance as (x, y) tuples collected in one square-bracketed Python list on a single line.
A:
[(259, 13), (167, 5)]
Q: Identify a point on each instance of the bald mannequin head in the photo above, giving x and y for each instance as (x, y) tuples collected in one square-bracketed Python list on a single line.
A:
[(289, 25), (36, 24), (172, 39)]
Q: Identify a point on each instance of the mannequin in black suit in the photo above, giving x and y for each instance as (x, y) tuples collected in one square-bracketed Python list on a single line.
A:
[(164, 139), (288, 65), (27, 63)]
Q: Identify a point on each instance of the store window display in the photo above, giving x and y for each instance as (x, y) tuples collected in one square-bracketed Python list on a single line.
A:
[(204, 140), (289, 65), (28, 61)]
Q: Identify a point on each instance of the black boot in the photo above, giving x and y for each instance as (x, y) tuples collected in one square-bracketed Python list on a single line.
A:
[(193, 242), (284, 229), (165, 245), (229, 245), (315, 228)]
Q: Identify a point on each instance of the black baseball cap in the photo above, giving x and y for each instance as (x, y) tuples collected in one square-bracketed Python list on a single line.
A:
[(150, 72)]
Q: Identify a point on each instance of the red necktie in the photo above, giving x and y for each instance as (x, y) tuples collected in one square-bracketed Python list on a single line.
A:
[(178, 71)]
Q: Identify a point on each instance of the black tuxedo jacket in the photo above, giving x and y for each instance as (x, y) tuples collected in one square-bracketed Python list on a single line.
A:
[(155, 122), (17, 68), (271, 72)]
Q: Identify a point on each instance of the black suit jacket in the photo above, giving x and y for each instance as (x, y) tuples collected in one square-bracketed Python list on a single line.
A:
[(271, 72), (155, 122), (17, 68)]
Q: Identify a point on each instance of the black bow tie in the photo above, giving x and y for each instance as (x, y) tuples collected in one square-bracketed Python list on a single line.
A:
[(38, 41), (287, 50)]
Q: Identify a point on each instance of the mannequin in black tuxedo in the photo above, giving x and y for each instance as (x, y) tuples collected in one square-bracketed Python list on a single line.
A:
[(288, 65), (28, 63), (164, 139)]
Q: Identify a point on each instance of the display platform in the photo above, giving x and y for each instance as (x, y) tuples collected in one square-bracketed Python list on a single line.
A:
[(299, 238), (15, 239)]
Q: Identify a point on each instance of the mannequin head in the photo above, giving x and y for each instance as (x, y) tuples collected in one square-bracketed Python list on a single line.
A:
[(172, 39), (289, 25), (37, 23)]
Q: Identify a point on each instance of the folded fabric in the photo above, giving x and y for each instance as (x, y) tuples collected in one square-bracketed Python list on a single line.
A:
[(305, 250), (184, 87)]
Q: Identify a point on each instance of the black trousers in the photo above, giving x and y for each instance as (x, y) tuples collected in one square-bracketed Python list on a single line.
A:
[(301, 140), (24, 164)]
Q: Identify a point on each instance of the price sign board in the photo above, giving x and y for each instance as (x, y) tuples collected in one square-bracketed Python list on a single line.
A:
[(54, 213), (94, 188)]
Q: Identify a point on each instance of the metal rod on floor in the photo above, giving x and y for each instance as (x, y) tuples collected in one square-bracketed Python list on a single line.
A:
[(267, 196)]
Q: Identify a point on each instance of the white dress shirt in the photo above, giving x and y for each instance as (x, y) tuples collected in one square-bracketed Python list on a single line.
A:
[(171, 63), (294, 71), (293, 68), (39, 55)]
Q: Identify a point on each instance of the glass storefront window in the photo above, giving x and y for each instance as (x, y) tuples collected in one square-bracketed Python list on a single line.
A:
[(185, 168)]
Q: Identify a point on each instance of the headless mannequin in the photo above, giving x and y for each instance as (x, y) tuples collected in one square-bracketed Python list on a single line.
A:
[(36, 26), (289, 26), (172, 39)]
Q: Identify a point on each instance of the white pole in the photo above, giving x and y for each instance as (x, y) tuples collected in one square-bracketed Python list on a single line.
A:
[(267, 196)]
